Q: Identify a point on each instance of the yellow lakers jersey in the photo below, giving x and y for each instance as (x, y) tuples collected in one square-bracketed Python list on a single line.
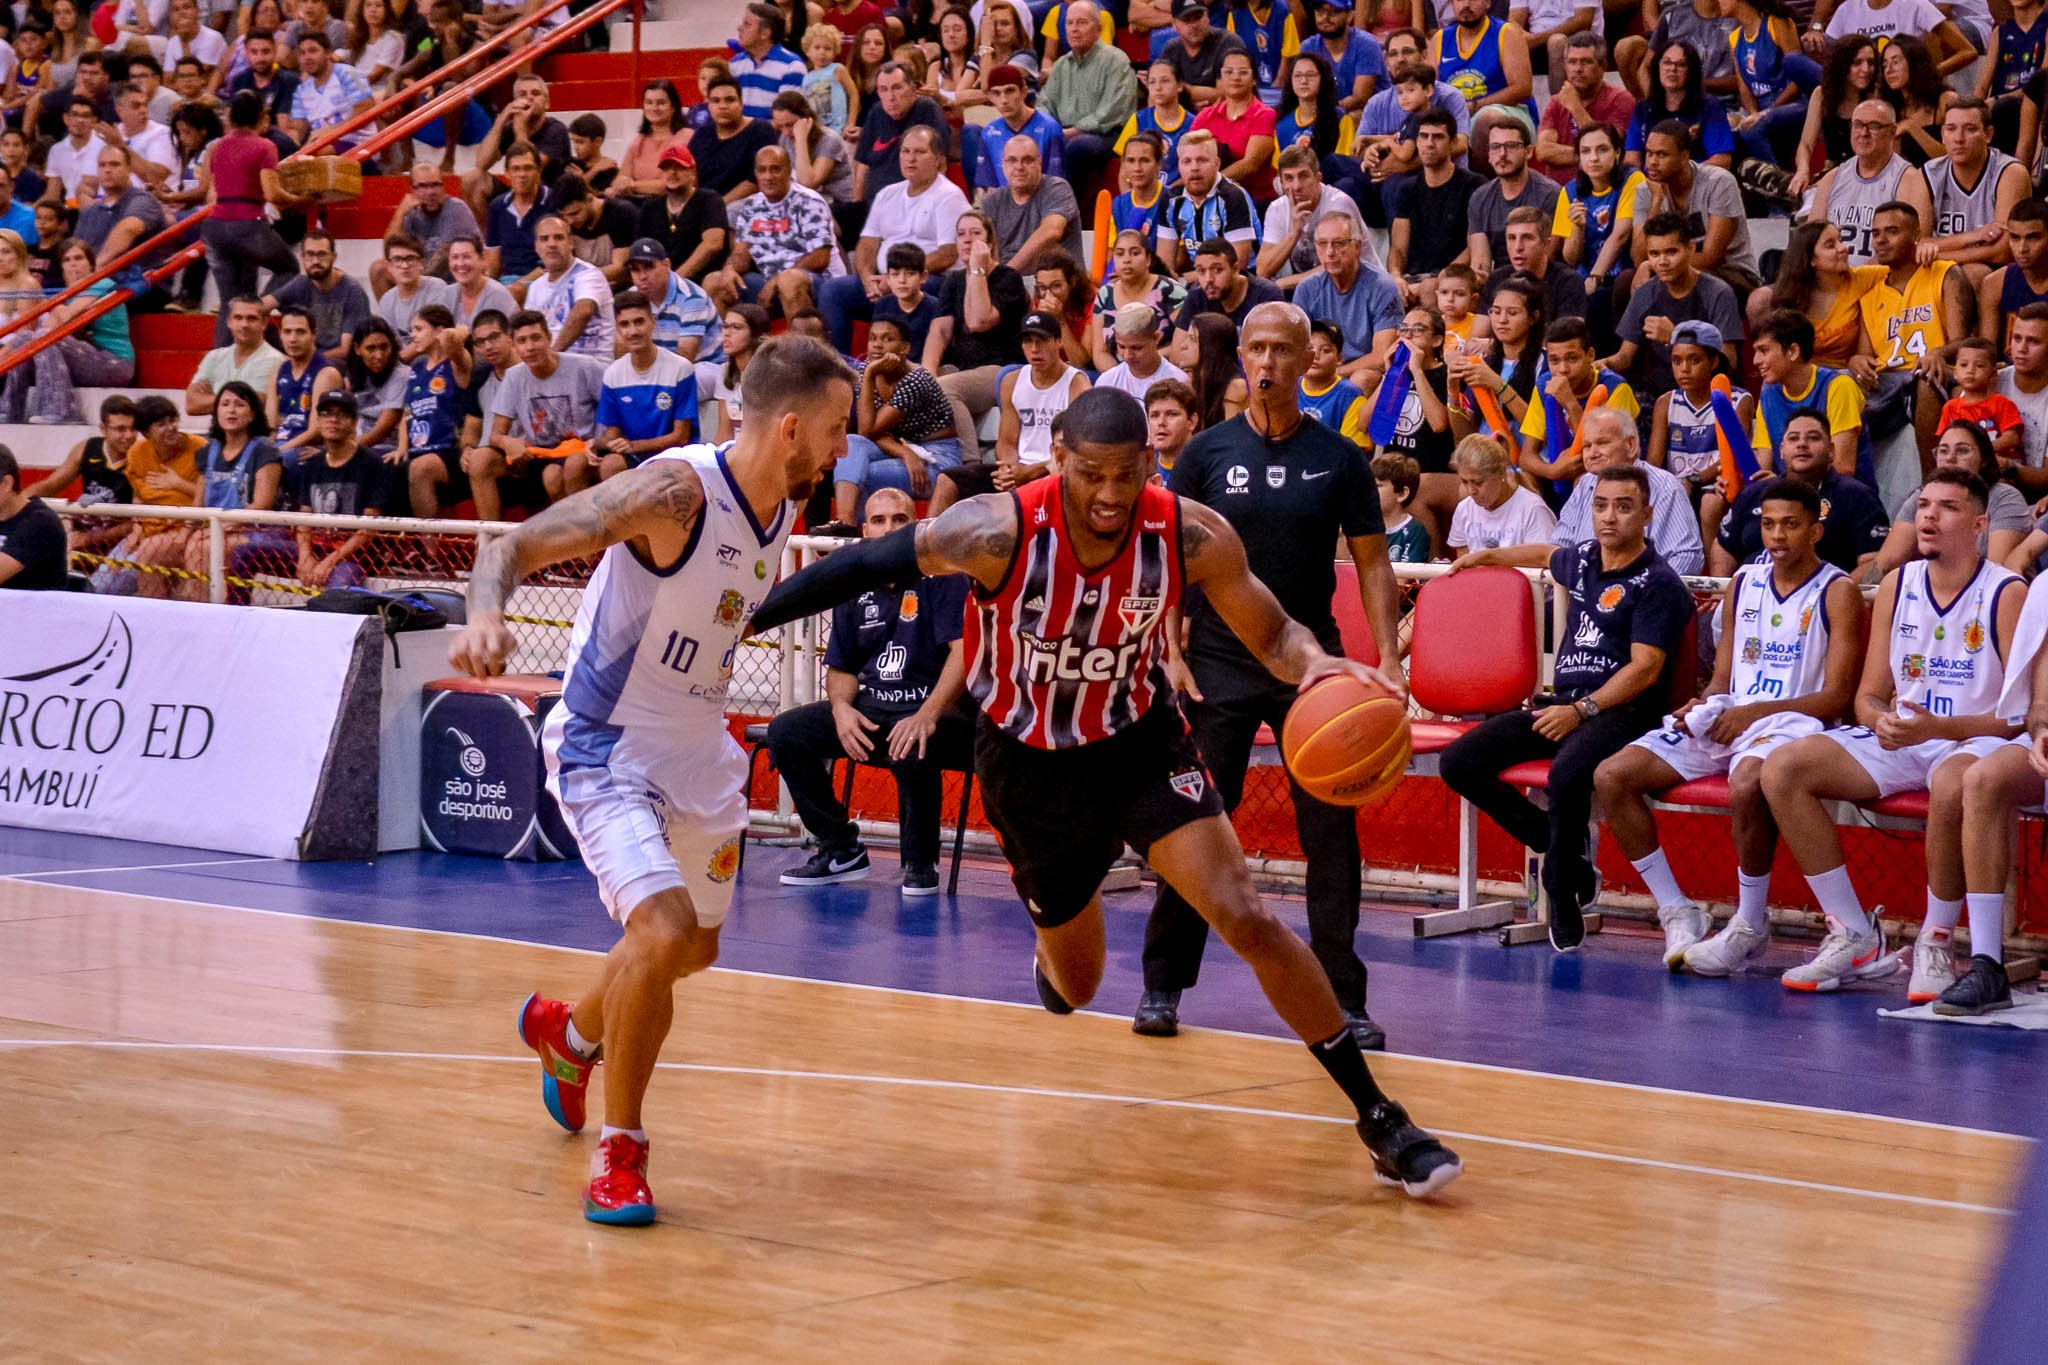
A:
[(1905, 325)]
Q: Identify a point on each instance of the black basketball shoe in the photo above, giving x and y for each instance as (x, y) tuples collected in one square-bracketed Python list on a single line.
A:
[(1048, 996), (1158, 1015), (1403, 1154), (1980, 990)]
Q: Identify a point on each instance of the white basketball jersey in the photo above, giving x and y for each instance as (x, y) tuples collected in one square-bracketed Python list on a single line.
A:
[(1781, 643), (1946, 658), (1957, 210), (654, 650)]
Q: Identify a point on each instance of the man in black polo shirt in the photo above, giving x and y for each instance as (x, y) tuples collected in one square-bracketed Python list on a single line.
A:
[(1289, 487), (33, 555), (1853, 523), (894, 673), (1629, 612)]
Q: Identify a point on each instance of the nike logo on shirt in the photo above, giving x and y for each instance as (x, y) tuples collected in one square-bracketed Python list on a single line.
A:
[(1317, 475)]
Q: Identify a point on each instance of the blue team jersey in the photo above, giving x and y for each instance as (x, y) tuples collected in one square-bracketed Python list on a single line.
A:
[(1477, 73), (1336, 407), (643, 405), (295, 397), (432, 399), (1272, 40)]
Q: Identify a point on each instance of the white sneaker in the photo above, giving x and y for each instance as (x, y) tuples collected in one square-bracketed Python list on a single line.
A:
[(1685, 924), (1934, 970), (1843, 957), (1728, 951)]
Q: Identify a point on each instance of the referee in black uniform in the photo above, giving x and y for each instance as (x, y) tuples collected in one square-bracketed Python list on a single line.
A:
[(1290, 487)]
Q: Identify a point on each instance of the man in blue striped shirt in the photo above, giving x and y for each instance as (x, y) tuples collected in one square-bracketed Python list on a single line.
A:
[(760, 63)]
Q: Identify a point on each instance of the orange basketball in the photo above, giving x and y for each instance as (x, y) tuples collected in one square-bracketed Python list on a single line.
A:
[(1346, 742)]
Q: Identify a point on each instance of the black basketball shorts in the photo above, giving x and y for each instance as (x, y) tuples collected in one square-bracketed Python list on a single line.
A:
[(1064, 815)]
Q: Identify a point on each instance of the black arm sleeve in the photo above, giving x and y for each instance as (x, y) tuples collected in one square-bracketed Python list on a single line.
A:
[(890, 562)]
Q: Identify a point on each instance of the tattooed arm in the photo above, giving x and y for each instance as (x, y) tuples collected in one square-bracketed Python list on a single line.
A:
[(654, 507), (1215, 561), (973, 537)]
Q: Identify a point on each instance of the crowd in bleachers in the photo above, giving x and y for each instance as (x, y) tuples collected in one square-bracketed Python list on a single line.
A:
[(1487, 258), (925, 175)]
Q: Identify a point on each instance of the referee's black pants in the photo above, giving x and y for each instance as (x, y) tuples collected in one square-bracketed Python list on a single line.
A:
[(1176, 934), (804, 744), (1472, 766)]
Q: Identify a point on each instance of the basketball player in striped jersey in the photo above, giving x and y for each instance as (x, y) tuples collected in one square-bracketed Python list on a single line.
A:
[(650, 781), (1926, 710), (1080, 747), (1791, 647)]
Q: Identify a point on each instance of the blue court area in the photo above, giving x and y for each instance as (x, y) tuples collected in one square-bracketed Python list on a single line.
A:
[(1609, 1012)]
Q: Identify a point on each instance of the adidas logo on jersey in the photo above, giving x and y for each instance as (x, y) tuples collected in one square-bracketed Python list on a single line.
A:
[(1035, 604)]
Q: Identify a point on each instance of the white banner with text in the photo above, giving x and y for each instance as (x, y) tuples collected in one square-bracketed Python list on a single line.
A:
[(207, 727)]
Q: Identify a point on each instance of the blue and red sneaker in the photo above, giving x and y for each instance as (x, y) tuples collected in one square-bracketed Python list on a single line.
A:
[(564, 1076), (617, 1194)]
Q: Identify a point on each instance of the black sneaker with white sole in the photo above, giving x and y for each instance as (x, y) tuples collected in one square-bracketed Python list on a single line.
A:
[(1403, 1154), (1980, 990), (920, 879), (827, 866)]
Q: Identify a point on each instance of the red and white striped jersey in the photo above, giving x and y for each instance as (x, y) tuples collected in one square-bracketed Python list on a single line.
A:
[(1060, 657)]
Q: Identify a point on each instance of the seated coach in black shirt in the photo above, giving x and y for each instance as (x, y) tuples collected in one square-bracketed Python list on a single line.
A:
[(33, 552), (894, 676), (1628, 614), (1290, 487)]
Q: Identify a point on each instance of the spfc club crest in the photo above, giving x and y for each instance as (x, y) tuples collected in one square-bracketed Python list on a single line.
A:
[(1189, 784), (1137, 612)]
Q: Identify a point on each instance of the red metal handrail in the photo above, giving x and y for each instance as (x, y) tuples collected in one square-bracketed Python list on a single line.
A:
[(101, 306), (383, 138)]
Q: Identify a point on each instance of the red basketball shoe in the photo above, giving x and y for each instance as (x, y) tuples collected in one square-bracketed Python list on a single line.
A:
[(564, 1076), (617, 1193)]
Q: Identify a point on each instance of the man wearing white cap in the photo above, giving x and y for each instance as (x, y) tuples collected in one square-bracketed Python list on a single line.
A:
[(1137, 328)]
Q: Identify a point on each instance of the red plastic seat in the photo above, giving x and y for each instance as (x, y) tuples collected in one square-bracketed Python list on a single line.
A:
[(1349, 610), (1705, 791), (1473, 651), (1905, 805), (1435, 736)]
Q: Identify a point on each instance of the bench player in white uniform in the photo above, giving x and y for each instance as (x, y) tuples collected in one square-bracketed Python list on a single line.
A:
[(1792, 631), (1926, 709), (1994, 789), (649, 779)]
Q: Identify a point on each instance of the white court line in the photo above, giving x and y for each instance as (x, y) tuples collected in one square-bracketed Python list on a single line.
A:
[(1781, 1105), (1038, 1092), (138, 867)]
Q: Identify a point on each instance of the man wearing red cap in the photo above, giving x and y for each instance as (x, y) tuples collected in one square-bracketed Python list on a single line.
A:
[(690, 221)]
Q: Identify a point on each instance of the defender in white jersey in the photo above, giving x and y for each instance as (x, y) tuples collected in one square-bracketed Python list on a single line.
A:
[(649, 779), (1791, 642), (1927, 707)]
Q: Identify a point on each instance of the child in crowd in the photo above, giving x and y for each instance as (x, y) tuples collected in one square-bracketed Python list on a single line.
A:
[(1137, 208), (31, 66), (586, 153), (1682, 439), (430, 427), (1164, 115), (1399, 479), (1976, 366), (827, 86), (1327, 396), (1457, 293), (906, 304)]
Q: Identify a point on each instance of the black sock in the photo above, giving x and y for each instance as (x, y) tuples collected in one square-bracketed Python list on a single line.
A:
[(1341, 1057)]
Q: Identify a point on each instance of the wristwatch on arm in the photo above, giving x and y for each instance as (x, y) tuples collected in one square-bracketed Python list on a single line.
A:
[(1586, 707)]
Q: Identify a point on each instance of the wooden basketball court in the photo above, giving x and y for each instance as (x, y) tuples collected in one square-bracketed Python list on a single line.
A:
[(233, 1134)]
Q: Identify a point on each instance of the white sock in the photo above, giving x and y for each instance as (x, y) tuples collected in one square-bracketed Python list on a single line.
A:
[(637, 1134), (1940, 923), (1987, 924), (1837, 897), (1752, 900), (1656, 873), (580, 1045)]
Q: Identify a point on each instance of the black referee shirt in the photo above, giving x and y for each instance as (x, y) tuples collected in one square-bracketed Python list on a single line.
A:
[(1288, 501)]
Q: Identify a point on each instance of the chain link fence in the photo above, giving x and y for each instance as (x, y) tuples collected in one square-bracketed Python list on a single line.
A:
[(1410, 838)]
